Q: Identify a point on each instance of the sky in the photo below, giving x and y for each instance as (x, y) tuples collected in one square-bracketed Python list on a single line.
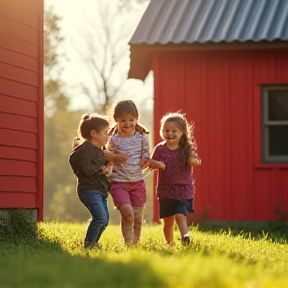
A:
[(76, 17)]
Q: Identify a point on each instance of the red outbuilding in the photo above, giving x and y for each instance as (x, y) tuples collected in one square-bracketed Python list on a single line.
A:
[(21, 105), (225, 64)]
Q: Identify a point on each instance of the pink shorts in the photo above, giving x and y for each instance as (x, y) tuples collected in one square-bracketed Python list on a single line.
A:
[(133, 193)]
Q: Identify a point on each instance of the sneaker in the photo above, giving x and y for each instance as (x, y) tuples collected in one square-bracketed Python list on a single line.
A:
[(92, 245), (185, 240)]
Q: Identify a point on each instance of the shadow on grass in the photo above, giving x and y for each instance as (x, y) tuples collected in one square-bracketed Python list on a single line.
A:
[(29, 259), (30, 267), (276, 231)]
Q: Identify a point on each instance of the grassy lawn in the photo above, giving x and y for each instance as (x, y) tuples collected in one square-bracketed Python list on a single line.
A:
[(220, 255)]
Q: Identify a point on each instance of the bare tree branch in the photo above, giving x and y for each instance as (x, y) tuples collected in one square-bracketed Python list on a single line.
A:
[(106, 49)]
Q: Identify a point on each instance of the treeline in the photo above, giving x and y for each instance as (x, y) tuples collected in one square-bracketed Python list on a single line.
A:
[(60, 198)]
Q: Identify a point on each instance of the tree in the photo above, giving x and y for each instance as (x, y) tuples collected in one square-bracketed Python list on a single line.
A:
[(109, 75), (53, 95), (60, 129), (104, 51), (61, 201), (129, 4)]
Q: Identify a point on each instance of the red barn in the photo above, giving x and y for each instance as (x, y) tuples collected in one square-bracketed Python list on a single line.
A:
[(225, 64), (21, 105)]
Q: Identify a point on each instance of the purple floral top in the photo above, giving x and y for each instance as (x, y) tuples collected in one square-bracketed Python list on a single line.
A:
[(175, 181)]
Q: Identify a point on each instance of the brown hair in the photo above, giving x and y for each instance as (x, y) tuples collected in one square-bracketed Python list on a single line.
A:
[(187, 142), (88, 123), (126, 106)]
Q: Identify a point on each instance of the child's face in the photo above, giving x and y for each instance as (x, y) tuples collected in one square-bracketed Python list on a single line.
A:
[(172, 133), (126, 124), (100, 138)]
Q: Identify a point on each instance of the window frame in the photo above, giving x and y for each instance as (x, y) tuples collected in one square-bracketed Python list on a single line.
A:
[(265, 124)]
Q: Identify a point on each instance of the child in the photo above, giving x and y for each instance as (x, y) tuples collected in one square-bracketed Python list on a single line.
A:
[(128, 187), (175, 187), (90, 167)]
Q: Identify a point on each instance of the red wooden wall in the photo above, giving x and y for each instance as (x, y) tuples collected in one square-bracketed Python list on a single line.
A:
[(21, 104), (220, 92)]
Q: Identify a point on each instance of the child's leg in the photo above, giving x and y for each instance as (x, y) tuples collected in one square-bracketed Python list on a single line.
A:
[(96, 203), (168, 229), (127, 221), (105, 212), (182, 224), (138, 217), (181, 221), (137, 195)]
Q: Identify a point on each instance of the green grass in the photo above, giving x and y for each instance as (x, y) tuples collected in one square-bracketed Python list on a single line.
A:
[(220, 255)]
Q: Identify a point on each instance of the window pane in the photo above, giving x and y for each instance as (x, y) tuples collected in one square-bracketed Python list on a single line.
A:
[(278, 140), (278, 104)]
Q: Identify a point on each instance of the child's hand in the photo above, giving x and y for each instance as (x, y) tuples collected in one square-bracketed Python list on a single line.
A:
[(144, 163), (108, 168), (116, 158), (194, 158), (161, 165), (153, 164), (193, 161)]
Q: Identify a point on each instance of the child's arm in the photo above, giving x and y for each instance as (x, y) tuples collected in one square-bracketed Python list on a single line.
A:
[(153, 164), (155, 161), (116, 158), (194, 158), (193, 161), (108, 169), (113, 153), (146, 161)]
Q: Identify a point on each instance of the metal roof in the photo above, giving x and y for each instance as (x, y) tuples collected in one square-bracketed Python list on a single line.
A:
[(202, 21)]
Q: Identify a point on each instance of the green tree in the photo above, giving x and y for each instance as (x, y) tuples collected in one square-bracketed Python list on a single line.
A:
[(53, 87), (62, 203), (60, 199)]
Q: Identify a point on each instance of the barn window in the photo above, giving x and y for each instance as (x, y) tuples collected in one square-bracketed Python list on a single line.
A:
[(275, 124)]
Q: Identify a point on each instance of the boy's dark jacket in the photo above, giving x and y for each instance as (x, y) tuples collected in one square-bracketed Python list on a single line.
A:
[(86, 161)]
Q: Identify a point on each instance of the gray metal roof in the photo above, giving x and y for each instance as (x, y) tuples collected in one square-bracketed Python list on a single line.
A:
[(202, 21)]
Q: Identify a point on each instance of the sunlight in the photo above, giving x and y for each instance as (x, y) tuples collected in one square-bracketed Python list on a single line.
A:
[(77, 19)]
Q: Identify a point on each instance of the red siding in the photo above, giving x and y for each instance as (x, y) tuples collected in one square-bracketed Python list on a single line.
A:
[(220, 92), (18, 200), (12, 183), (21, 109)]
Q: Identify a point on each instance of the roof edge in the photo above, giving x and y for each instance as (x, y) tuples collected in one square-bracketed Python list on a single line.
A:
[(141, 54), (140, 62)]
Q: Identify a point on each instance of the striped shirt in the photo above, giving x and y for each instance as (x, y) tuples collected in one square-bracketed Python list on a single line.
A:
[(137, 148)]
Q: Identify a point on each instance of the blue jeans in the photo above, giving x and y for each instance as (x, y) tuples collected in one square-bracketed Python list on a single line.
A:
[(96, 204)]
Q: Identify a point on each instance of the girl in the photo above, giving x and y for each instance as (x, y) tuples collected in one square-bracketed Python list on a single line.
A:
[(128, 187), (89, 165), (175, 187)]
